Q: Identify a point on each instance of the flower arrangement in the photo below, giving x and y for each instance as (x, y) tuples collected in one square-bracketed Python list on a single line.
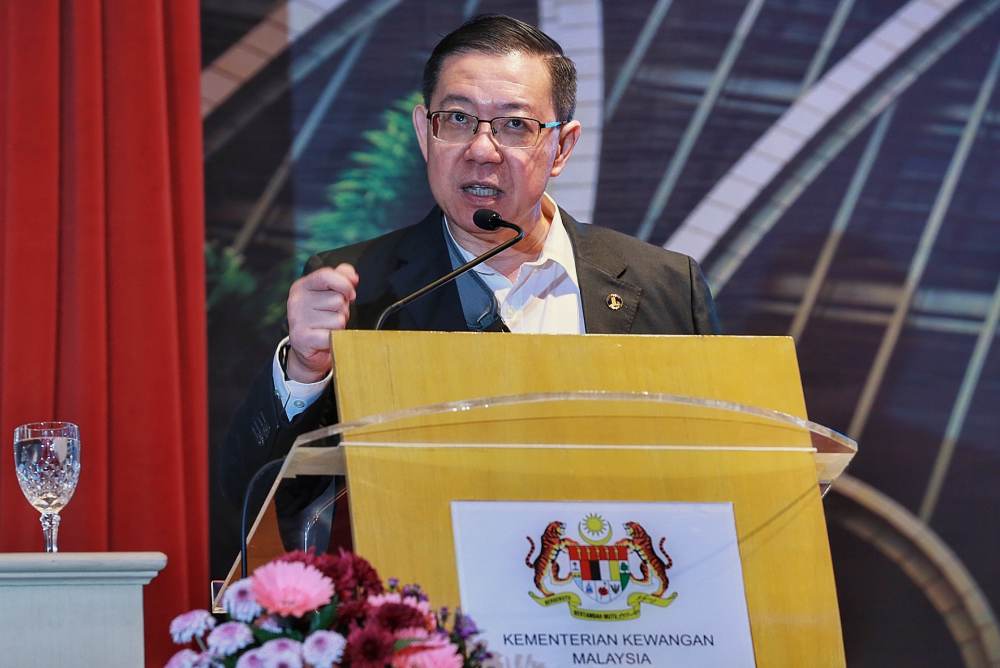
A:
[(304, 610)]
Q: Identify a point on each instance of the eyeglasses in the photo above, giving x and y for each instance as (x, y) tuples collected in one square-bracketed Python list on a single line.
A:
[(458, 127)]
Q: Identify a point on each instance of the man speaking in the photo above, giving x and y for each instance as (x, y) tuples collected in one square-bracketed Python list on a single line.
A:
[(496, 125)]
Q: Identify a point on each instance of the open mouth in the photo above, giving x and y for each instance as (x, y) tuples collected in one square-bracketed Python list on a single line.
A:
[(481, 190)]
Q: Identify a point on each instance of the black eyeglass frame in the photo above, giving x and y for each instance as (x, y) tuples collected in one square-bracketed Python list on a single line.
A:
[(542, 125)]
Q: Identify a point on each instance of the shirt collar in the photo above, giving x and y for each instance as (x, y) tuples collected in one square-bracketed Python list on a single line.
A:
[(557, 247)]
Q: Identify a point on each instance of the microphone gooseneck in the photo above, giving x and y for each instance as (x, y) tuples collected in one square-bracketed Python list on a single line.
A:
[(485, 219)]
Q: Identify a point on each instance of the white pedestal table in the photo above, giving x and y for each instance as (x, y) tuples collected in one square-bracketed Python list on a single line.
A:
[(74, 608)]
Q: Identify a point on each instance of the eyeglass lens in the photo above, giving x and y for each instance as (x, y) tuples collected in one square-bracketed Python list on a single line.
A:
[(511, 131)]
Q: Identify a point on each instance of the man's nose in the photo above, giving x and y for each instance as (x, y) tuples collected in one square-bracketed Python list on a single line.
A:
[(483, 146), (480, 123)]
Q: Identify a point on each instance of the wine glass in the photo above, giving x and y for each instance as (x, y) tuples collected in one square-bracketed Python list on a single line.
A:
[(47, 461)]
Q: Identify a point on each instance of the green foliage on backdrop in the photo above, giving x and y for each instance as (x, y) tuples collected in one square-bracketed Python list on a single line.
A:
[(368, 198)]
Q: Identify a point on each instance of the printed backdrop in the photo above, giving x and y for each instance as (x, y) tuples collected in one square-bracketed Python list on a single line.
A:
[(831, 163)]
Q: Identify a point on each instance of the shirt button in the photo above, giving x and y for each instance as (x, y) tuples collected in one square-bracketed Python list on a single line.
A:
[(298, 403)]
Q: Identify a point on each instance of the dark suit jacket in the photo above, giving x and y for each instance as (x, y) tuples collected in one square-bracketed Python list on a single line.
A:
[(662, 292)]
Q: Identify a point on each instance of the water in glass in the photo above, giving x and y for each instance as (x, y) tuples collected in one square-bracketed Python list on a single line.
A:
[(48, 470), (47, 462)]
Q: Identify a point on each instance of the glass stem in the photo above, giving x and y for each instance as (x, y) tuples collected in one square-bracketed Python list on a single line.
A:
[(50, 527)]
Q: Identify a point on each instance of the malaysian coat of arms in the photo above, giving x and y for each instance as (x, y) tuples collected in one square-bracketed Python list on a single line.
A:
[(616, 578)]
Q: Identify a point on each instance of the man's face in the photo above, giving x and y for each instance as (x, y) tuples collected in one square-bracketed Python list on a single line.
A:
[(479, 173)]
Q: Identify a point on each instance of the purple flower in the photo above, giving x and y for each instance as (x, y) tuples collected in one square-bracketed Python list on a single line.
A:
[(464, 626), (188, 658), (229, 637), (282, 646), (240, 602), (191, 625), (270, 623), (414, 591), (322, 649), (282, 653), (185, 658), (251, 659)]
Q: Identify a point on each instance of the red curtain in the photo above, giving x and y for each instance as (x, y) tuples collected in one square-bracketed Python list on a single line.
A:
[(102, 318)]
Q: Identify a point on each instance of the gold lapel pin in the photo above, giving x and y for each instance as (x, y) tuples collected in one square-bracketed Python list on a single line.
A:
[(614, 301)]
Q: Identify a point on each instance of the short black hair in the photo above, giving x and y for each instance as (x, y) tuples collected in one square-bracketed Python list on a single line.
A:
[(500, 35)]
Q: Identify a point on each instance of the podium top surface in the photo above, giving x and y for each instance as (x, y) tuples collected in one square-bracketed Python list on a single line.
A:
[(35, 567), (494, 390), (381, 372)]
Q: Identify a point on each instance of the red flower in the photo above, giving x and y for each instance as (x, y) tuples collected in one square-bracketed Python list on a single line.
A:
[(603, 591), (352, 612), (396, 616), (300, 556), (357, 576), (369, 647), (353, 577)]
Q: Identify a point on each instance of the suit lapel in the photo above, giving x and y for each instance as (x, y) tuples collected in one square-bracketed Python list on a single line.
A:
[(600, 271), (423, 258)]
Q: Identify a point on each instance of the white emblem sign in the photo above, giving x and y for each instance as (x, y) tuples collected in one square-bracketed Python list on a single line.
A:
[(603, 583)]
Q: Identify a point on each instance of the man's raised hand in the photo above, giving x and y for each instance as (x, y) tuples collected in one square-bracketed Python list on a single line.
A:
[(318, 303)]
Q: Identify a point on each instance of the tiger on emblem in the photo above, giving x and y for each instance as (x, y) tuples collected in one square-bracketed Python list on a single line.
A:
[(640, 543), (553, 541)]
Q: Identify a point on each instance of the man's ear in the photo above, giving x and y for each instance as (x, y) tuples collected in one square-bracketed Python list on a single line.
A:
[(420, 127), (569, 134)]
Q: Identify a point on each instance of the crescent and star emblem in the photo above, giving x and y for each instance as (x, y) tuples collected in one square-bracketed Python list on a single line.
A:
[(595, 530)]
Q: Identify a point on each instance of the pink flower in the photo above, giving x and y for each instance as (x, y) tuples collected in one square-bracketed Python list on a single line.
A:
[(376, 600), (191, 625), (435, 652), (322, 649), (185, 658), (291, 588), (414, 633), (239, 601), (230, 637)]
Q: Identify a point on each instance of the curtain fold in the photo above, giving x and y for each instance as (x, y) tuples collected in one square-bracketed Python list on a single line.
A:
[(102, 279)]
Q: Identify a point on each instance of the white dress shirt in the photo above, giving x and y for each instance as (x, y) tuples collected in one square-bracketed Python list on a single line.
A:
[(543, 298)]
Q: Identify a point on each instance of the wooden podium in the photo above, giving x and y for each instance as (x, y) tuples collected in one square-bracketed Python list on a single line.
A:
[(537, 417)]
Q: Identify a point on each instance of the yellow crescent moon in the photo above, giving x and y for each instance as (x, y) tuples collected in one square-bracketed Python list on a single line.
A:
[(597, 541)]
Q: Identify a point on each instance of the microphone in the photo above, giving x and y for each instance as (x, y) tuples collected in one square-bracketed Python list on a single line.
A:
[(485, 219), (489, 220)]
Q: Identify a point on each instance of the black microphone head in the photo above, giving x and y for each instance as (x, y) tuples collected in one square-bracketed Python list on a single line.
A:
[(487, 219)]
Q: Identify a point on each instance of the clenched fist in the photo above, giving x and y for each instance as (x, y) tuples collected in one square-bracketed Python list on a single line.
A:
[(318, 303)]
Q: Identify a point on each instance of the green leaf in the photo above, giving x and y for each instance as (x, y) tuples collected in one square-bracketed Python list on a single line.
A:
[(403, 643), (323, 618), (366, 199), (263, 635)]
